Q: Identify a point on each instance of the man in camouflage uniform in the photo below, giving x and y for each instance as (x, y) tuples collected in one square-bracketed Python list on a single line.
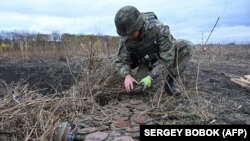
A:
[(148, 45)]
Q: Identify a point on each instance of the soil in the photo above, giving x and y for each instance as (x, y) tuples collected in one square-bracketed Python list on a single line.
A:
[(228, 101), (48, 77)]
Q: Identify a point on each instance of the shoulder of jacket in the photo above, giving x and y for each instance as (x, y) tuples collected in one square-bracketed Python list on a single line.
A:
[(151, 20)]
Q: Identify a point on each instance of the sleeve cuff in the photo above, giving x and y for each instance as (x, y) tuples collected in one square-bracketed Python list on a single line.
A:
[(124, 71)]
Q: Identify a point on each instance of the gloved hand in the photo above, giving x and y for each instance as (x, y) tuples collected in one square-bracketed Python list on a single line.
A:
[(146, 82)]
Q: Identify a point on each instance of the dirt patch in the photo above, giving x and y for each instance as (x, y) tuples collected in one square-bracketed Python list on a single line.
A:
[(48, 77), (226, 98)]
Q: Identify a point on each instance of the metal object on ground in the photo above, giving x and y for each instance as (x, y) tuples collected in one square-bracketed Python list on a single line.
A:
[(65, 132)]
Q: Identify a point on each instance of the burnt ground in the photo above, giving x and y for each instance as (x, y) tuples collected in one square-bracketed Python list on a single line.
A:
[(209, 97), (47, 77), (229, 102)]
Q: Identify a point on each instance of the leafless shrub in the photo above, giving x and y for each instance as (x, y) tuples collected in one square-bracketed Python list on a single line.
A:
[(25, 114)]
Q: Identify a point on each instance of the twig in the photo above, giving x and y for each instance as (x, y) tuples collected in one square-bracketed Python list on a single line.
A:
[(212, 30), (35, 102), (197, 79), (14, 97), (31, 130), (70, 70), (158, 104), (178, 73)]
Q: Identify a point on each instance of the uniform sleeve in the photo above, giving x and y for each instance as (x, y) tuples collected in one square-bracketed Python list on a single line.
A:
[(166, 50), (123, 61)]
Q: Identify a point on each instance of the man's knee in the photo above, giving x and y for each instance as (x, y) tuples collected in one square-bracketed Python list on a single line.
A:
[(185, 48), (184, 51)]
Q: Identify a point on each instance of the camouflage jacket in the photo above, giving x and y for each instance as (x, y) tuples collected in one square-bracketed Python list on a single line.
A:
[(164, 40)]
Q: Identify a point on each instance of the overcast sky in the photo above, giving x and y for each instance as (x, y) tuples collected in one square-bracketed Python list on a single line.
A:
[(187, 19)]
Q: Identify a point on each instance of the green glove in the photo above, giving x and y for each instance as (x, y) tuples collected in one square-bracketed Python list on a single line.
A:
[(146, 82)]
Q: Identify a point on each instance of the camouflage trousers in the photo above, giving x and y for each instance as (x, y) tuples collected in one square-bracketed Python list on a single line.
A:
[(183, 53)]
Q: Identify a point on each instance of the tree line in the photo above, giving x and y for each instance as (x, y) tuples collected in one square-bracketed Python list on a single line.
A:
[(25, 40)]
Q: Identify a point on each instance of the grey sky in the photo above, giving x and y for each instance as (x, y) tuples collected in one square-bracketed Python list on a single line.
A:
[(188, 19)]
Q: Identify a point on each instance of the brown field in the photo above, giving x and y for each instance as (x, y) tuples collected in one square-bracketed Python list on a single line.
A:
[(40, 90)]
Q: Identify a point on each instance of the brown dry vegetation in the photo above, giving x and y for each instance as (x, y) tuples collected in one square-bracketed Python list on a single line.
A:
[(28, 112)]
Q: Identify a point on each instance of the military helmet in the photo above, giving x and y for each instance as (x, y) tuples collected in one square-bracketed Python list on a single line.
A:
[(127, 20)]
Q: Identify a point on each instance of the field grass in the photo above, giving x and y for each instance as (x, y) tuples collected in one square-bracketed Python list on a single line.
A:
[(26, 114)]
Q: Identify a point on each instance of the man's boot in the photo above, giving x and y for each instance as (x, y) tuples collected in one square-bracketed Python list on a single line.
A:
[(171, 87)]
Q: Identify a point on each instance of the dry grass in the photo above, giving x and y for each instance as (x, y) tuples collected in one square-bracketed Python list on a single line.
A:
[(25, 114)]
